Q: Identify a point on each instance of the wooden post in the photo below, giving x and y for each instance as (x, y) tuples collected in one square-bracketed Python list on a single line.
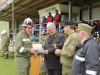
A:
[(13, 21)]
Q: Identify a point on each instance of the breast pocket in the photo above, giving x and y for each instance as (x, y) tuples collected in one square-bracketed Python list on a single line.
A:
[(66, 45), (27, 42)]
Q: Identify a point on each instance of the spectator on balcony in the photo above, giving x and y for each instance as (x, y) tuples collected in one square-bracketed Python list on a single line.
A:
[(50, 17), (34, 23), (44, 22), (57, 19)]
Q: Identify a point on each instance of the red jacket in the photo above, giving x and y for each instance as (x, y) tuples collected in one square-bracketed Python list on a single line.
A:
[(57, 18), (50, 19)]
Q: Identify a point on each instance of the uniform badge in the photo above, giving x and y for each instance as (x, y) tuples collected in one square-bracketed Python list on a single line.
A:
[(71, 48), (81, 54), (55, 46)]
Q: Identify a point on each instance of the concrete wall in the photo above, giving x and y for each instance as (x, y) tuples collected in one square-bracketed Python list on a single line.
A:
[(4, 25)]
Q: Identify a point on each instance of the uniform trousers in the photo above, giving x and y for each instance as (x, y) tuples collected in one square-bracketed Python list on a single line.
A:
[(66, 70), (5, 51), (54, 71), (22, 65)]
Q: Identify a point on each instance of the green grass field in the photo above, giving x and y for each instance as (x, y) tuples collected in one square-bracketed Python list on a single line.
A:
[(7, 65)]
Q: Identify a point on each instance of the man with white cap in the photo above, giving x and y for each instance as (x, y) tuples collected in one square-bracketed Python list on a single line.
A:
[(5, 44), (23, 48), (1, 43)]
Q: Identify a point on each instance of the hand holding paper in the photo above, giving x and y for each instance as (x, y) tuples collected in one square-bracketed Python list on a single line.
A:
[(34, 52), (38, 48)]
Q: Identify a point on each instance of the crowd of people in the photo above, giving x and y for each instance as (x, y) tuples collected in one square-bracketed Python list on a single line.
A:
[(56, 19), (71, 51), (77, 54)]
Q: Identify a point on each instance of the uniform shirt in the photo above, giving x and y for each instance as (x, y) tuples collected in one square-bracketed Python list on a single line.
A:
[(66, 54), (42, 42), (23, 45)]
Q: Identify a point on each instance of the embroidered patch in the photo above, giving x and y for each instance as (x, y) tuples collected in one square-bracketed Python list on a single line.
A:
[(71, 48)]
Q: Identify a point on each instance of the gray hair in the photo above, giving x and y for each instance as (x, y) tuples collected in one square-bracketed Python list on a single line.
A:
[(88, 34), (51, 24)]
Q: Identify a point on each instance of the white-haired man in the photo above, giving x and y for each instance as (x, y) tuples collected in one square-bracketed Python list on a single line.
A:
[(53, 41)]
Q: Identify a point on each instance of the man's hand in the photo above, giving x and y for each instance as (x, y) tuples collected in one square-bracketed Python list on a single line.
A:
[(35, 55), (42, 60), (45, 52), (57, 52), (34, 52)]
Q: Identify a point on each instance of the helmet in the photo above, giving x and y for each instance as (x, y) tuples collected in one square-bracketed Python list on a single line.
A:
[(27, 22), (4, 31)]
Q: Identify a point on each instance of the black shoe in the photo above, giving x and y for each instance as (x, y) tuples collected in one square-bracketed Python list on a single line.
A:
[(5, 57), (1, 55)]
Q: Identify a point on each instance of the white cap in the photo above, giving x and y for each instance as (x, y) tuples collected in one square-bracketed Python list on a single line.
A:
[(1, 33), (4, 31)]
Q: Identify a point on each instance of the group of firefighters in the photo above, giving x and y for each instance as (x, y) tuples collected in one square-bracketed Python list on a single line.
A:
[(64, 54)]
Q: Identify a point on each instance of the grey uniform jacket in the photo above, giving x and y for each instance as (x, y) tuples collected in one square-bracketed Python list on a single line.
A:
[(52, 60), (86, 58)]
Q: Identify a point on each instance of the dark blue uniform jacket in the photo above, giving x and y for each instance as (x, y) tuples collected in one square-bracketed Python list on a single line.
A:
[(86, 58)]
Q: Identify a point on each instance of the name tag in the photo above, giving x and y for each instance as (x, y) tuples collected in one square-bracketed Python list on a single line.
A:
[(26, 39)]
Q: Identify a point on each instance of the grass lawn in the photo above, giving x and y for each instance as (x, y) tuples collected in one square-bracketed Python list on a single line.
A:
[(7, 65)]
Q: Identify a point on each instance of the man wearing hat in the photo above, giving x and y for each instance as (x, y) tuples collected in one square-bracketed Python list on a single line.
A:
[(43, 65), (66, 54), (86, 59), (1, 43), (5, 44), (23, 48), (43, 34)]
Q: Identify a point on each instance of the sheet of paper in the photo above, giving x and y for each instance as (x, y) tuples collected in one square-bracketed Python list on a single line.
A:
[(38, 47)]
